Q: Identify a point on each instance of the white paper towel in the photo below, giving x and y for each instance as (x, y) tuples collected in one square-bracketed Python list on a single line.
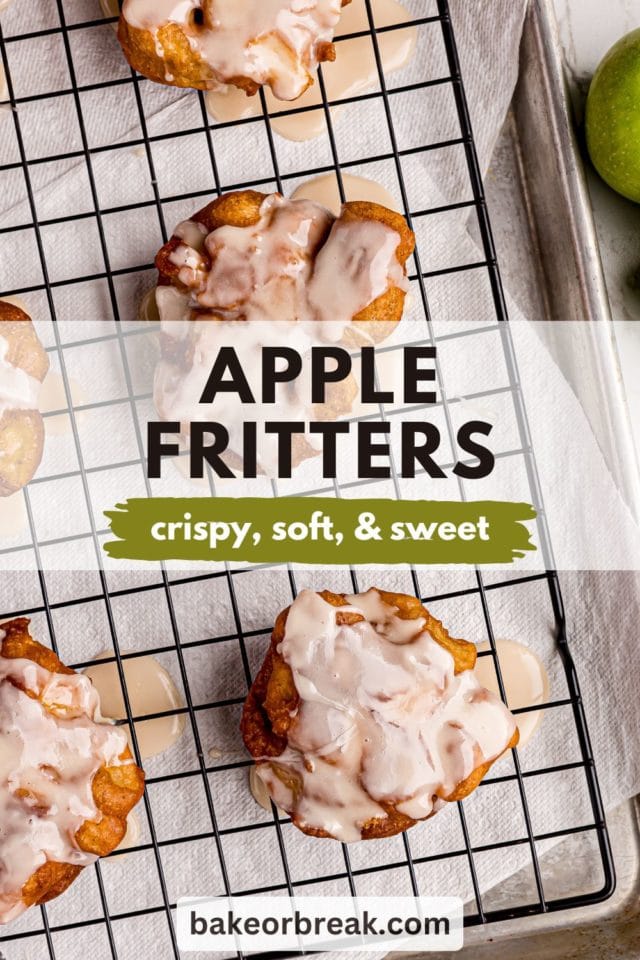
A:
[(602, 607)]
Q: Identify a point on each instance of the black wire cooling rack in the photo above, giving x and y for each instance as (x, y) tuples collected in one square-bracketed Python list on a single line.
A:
[(45, 938)]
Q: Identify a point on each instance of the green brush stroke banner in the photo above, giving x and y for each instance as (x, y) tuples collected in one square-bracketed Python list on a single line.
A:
[(320, 531)]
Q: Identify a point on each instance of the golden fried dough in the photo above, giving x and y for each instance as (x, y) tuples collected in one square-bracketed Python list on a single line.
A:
[(245, 209), (21, 445), (285, 273), (115, 788), (275, 720), (379, 318), (202, 45), (23, 366)]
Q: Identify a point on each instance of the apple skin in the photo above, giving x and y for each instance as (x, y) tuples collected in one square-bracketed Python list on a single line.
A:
[(613, 117)]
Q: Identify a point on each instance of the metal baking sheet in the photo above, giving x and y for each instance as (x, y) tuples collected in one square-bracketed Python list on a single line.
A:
[(530, 135), (550, 262), (538, 185)]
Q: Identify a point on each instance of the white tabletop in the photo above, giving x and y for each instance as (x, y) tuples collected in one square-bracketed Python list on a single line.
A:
[(588, 28)]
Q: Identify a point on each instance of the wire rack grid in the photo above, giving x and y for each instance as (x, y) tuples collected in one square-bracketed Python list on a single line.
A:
[(46, 936)]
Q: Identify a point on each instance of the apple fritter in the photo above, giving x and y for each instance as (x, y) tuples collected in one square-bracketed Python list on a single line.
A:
[(24, 363), (67, 803), (366, 716)]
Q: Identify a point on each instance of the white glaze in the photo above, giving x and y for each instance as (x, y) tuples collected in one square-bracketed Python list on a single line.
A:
[(132, 836), (52, 746), (148, 307), (194, 234), (381, 718), (296, 263), (259, 790), (274, 42), (355, 266), (525, 679), (110, 8), (151, 690), (174, 310), (353, 72)]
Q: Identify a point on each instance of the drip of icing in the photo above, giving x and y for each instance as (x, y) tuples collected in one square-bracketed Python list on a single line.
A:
[(226, 104), (382, 718), (274, 42), (13, 516), (132, 836), (151, 690), (525, 679), (53, 744), (354, 71), (53, 397), (325, 191), (18, 390)]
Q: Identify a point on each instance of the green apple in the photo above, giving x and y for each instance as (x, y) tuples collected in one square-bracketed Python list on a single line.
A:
[(613, 117)]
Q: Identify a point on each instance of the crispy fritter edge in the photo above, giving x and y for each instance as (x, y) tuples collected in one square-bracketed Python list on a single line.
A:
[(116, 790), (273, 699)]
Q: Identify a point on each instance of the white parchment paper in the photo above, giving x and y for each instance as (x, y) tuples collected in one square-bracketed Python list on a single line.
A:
[(103, 132)]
